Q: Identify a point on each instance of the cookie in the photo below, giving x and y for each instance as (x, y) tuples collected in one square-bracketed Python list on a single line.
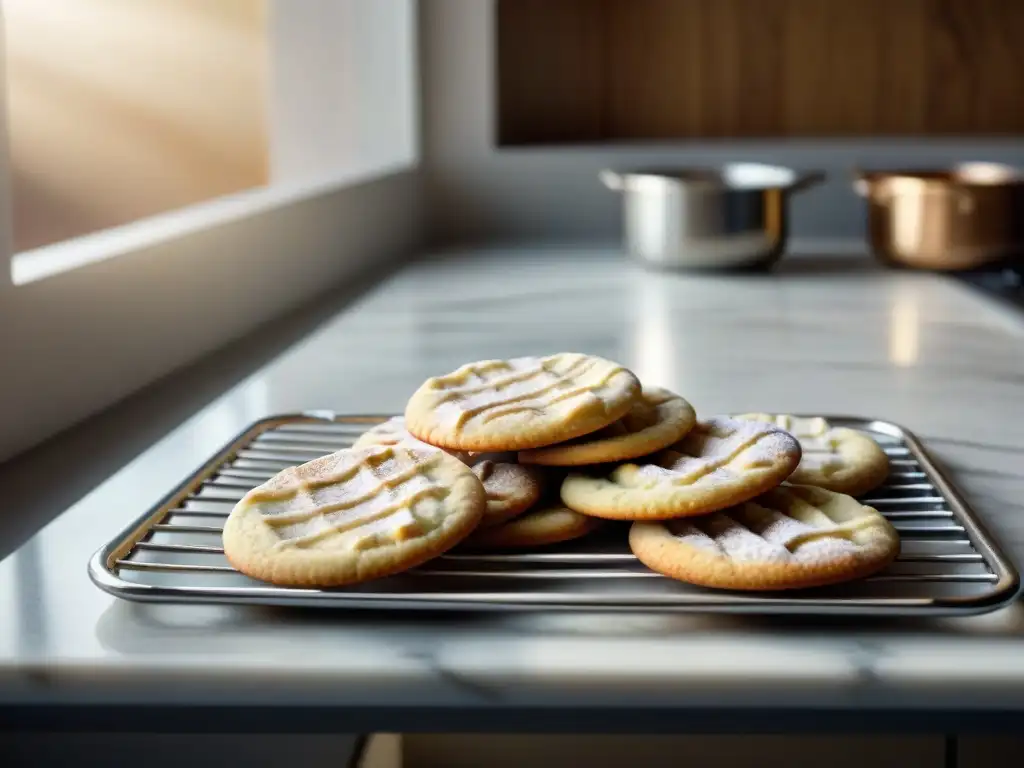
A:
[(353, 515), (548, 524), (836, 458), (511, 488), (393, 432), (656, 420), (522, 403), (719, 463), (791, 537)]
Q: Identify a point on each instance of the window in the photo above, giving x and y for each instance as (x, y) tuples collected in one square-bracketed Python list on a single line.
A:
[(181, 171), (121, 111)]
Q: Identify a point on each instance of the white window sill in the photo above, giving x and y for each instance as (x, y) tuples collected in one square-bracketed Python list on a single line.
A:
[(40, 263)]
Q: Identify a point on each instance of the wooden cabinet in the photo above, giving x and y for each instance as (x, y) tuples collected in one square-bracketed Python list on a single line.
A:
[(608, 70), (990, 751), (607, 751)]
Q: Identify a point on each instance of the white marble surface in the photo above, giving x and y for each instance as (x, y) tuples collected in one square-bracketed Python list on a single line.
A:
[(915, 349)]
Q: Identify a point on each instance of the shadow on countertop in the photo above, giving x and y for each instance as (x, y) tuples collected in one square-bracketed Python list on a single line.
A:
[(91, 451), (824, 265)]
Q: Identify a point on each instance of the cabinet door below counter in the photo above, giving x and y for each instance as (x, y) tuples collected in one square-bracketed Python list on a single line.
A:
[(990, 751), (609, 751)]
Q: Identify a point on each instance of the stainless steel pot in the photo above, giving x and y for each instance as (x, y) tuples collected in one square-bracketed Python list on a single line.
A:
[(730, 217)]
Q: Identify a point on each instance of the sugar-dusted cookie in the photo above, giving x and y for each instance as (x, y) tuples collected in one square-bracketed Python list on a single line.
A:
[(511, 488), (719, 463), (836, 458), (393, 432), (790, 537), (547, 524), (525, 402), (656, 420), (353, 515)]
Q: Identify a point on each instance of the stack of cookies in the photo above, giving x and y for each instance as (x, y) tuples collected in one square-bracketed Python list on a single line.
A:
[(535, 451)]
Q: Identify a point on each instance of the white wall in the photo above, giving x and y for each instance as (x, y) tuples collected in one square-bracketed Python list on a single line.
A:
[(76, 342), (360, 108), (477, 191)]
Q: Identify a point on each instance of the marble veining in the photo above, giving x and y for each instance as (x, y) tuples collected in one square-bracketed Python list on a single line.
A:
[(911, 348)]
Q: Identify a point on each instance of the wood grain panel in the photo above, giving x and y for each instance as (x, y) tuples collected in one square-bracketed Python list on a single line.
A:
[(902, 76), (550, 70), (637, 106), (586, 70), (831, 71), (705, 69), (976, 58)]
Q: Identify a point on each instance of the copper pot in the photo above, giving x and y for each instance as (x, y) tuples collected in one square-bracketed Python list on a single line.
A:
[(963, 218)]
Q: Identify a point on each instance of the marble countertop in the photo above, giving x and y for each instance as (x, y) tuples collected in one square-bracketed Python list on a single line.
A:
[(817, 336)]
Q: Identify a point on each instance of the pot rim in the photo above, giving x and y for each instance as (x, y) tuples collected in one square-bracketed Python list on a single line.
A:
[(726, 177), (967, 176)]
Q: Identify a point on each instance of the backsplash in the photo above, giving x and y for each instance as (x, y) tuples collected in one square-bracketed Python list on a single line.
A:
[(585, 71)]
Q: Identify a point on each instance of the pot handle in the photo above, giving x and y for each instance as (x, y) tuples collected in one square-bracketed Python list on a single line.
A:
[(806, 180), (861, 185), (612, 180), (871, 190)]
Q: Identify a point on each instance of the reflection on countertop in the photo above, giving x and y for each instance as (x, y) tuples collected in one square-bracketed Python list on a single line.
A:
[(833, 336)]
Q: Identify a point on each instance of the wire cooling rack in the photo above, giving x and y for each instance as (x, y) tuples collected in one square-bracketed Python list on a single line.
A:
[(948, 565)]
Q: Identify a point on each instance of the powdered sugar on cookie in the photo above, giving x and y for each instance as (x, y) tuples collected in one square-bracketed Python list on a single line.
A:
[(837, 458), (721, 462), (511, 488), (789, 537), (393, 432), (719, 448), (735, 534), (522, 403)]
